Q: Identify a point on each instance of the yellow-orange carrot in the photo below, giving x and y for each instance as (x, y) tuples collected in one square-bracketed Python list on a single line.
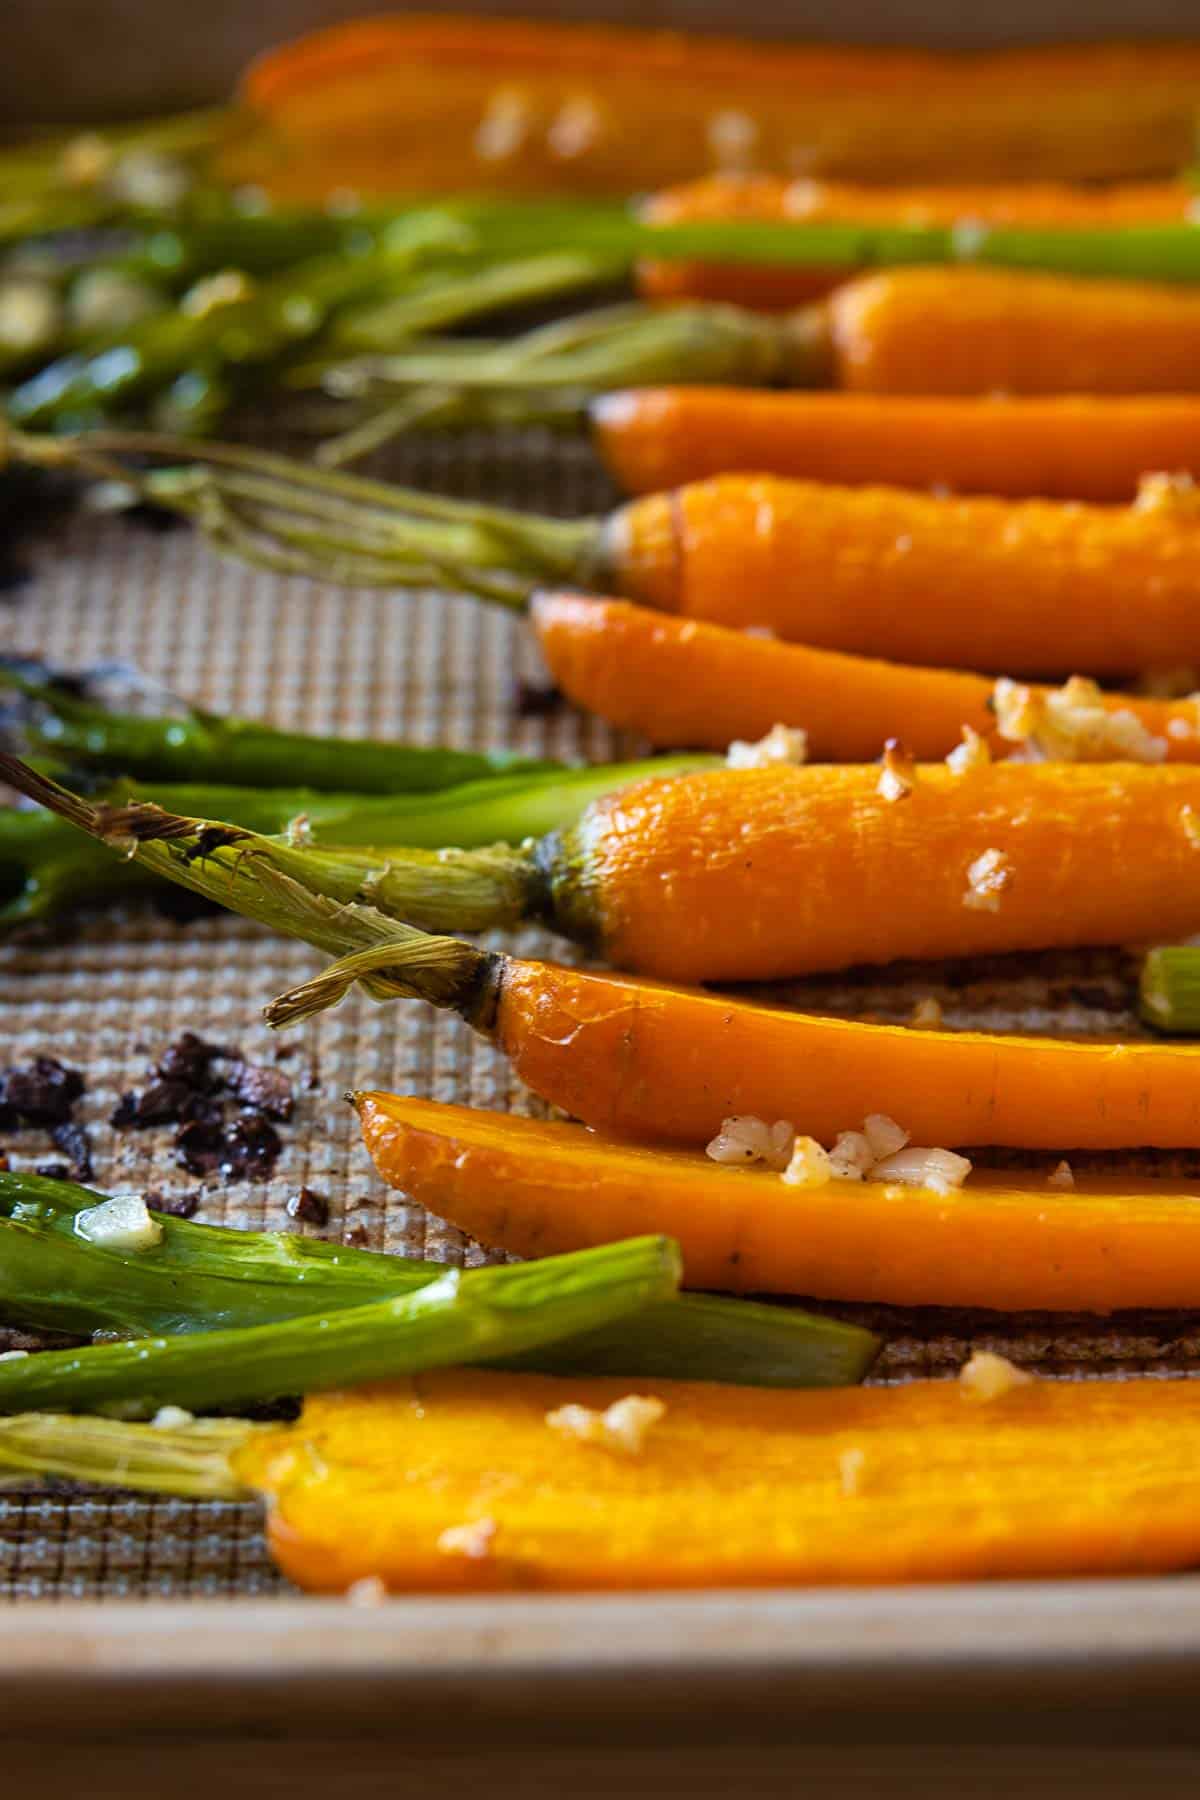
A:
[(1016, 587), (735, 196), (404, 105), (1057, 447), (984, 331), (456, 1481), (1002, 1241), (685, 682)]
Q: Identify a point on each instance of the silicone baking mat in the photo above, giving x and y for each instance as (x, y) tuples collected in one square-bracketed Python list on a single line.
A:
[(108, 991)]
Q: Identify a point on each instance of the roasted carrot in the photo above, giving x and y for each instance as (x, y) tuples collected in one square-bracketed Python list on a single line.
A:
[(405, 105), (1018, 587), (684, 681), (767, 873), (1004, 1241), (1058, 447), (468, 1480), (984, 331), (772, 289), (656, 1062)]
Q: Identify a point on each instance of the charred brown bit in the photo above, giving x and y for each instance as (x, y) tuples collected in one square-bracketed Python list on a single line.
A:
[(309, 1207)]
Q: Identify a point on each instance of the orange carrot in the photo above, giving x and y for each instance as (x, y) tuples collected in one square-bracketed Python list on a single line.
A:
[(637, 1057), (732, 196), (983, 331), (459, 1481), (1017, 587), (403, 105), (759, 874), (1003, 1241), (684, 681), (1075, 447)]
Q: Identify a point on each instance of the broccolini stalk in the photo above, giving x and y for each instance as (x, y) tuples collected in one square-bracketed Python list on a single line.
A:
[(201, 746), (207, 1277), (230, 323), (465, 1316), (1170, 989)]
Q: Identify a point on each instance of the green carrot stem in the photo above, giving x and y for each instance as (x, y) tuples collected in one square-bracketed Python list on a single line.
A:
[(478, 1315), (47, 867), (283, 514), (193, 1462), (207, 1277), (1170, 989), (566, 363)]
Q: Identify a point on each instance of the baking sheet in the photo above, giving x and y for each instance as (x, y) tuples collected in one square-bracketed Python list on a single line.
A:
[(105, 993)]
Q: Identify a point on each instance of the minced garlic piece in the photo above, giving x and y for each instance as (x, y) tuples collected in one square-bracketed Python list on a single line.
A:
[(943, 1171), (225, 288), (473, 1540), (1189, 818), (733, 140), (122, 1222), (1072, 724), (883, 1135), (505, 125), (744, 1139), (1168, 492), (782, 744), (987, 878), (172, 1418), (989, 1377), (576, 127), (621, 1427), (809, 1166), (898, 775), (850, 1468), (972, 753), (370, 1591), (926, 1015), (1062, 1177), (850, 1157)]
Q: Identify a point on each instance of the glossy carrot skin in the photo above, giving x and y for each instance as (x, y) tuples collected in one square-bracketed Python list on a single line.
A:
[(732, 1488), (1054, 447), (734, 196), (420, 104), (685, 682), (665, 1064), (762, 874), (1003, 1241), (983, 331), (1017, 588)]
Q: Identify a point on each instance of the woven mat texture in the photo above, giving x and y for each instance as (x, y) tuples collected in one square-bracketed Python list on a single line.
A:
[(109, 990)]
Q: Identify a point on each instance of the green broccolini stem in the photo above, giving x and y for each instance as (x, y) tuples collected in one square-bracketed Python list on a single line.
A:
[(1170, 989), (478, 1315), (207, 1277), (201, 746)]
